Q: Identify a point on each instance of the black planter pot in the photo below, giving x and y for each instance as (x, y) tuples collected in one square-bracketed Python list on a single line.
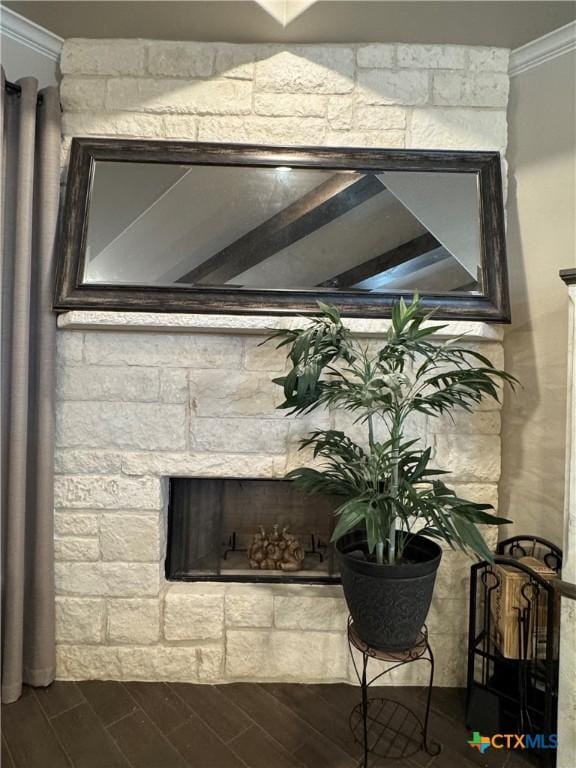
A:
[(388, 603)]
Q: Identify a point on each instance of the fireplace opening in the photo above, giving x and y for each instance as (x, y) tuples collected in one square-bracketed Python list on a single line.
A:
[(248, 530)]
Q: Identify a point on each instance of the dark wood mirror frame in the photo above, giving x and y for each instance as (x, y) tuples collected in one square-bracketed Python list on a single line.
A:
[(71, 293)]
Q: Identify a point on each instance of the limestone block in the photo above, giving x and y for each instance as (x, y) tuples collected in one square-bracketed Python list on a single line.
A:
[(469, 458), (450, 652), (482, 89), (458, 129), (340, 112), (79, 620), (240, 325), (494, 352), (203, 464), (174, 385), (82, 94), (384, 139), (204, 97), (210, 660), (69, 348), (260, 654), (464, 423), (491, 535), (101, 492), (71, 462), (383, 86), (432, 56), (301, 612), (290, 105), (102, 57), (453, 576), (447, 615), (130, 538), (166, 350), (234, 394), (249, 605), (113, 124), (307, 69), (67, 523), (239, 435), (235, 61), (263, 130), (87, 662), (134, 622), (481, 493), (383, 119), (194, 615), (84, 549), (180, 127), (300, 429), (376, 55), (158, 664), (98, 382), (259, 356), (153, 663), (488, 59), (180, 59), (136, 426), (249, 654), (107, 579)]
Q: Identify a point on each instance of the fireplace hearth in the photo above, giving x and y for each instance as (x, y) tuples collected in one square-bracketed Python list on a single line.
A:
[(248, 530)]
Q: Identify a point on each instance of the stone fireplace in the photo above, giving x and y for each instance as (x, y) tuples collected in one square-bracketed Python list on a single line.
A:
[(144, 398), (247, 530)]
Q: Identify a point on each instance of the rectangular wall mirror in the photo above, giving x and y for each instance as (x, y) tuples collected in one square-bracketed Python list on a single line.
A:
[(177, 227)]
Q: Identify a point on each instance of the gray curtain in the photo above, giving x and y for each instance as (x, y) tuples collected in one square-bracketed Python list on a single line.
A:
[(30, 174)]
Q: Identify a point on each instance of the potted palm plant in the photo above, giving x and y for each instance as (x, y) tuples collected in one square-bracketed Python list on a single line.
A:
[(392, 504)]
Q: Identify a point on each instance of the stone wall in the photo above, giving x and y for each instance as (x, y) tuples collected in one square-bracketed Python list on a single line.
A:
[(144, 397), (419, 96)]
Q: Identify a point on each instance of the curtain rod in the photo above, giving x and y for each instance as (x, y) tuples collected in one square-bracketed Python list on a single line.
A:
[(17, 89)]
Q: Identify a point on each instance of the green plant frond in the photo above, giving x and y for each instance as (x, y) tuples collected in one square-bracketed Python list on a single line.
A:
[(332, 442), (392, 480)]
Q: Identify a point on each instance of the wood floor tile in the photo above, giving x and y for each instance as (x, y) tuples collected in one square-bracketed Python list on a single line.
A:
[(6, 758), (162, 705), (258, 750), (341, 696), (200, 746), (143, 744), (450, 702), (85, 739), (317, 713), (156, 725), (58, 697), (108, 699), (217, 711), (454, 738), (279, 721), (319, 752), (30, 738)]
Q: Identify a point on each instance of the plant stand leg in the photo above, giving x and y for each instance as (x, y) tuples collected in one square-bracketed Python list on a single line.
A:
[(429, 748), (364, 687)]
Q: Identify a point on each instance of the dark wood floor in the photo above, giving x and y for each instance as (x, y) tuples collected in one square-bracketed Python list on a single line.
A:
[(156, 725)]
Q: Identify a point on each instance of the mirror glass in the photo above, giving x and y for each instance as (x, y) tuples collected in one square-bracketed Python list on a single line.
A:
[(287, 228)]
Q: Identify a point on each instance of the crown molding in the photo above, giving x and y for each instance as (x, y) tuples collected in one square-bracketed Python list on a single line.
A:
[(543, 49), (27, 33)]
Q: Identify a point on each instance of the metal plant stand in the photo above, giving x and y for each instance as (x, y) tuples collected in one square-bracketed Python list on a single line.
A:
[(385, 727)]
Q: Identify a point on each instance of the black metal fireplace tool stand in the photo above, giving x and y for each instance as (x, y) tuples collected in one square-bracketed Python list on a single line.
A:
[(384, 727)]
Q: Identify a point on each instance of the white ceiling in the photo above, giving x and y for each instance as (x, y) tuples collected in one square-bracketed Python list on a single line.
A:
[(499, 23)]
